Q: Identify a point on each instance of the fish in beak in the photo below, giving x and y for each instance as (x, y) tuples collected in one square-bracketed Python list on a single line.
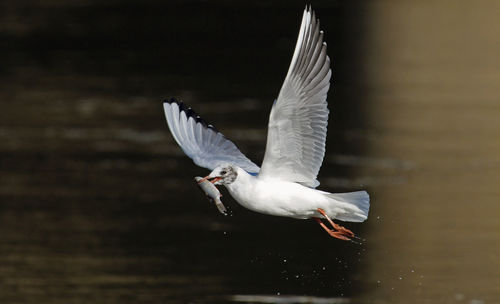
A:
[(211, 192)]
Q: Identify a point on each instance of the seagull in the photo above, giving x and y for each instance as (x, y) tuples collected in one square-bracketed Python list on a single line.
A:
[(285, 184)]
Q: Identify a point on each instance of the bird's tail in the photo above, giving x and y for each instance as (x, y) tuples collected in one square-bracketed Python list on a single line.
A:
[(350, 206)]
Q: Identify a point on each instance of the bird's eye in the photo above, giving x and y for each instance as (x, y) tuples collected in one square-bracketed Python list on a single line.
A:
[(223, 172)]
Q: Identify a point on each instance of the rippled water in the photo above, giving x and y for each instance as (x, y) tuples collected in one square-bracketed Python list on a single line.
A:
[(98, 205)]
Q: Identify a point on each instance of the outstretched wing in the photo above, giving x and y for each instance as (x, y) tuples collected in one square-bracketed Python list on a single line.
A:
[(206, 146), (299, 117)]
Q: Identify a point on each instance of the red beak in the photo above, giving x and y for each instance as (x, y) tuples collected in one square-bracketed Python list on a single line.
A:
[(210, 179)]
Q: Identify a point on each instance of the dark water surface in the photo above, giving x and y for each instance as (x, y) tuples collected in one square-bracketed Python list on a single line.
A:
[(98, 204)]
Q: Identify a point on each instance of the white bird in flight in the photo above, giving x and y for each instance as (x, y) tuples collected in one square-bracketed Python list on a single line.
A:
[(285, 184)]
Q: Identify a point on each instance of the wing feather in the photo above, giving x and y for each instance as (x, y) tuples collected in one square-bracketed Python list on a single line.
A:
[(299, 117), (206, 146)]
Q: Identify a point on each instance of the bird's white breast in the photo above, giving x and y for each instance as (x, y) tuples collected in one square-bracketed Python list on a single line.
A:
[(276, 197)]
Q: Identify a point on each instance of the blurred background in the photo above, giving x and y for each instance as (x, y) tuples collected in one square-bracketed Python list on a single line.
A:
[(98, 204)]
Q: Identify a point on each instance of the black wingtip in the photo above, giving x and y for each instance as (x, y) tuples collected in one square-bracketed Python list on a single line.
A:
[(182, 107), (171, 100), (189, 112)]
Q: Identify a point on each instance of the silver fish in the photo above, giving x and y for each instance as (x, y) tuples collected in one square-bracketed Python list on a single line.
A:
[(212, 193)]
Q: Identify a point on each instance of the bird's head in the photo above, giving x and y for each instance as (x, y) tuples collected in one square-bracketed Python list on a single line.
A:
[(222, 175)]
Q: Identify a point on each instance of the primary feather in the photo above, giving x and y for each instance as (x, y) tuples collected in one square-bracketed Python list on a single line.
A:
[(299, 117), (203, 143)]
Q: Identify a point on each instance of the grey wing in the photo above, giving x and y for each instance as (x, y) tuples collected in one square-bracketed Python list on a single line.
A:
[(206, 146), (299, 117)]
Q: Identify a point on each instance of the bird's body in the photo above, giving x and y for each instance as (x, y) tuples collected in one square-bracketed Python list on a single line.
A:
[(275, 196), (285, 183)]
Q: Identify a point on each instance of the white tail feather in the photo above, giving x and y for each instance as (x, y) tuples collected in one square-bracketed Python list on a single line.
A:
[(354, 206)]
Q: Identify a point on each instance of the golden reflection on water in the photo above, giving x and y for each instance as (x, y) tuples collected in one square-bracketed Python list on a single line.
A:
[(434, 76)]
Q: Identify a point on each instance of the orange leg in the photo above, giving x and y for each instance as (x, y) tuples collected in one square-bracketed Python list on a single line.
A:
[(341, 229), (336, 234)]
